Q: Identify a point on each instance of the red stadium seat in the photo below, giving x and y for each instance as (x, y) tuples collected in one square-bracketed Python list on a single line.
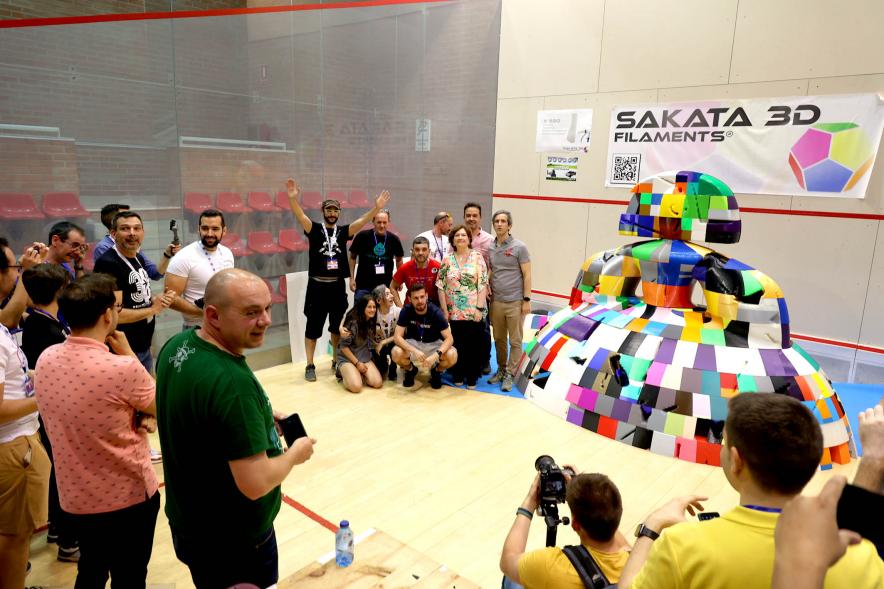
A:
[(275, 297), (261, 201), (261, 242), (197, 202), (293, 240), (230, 202), (15, 206), (234, 242), (64, 205), (341, 197), (310, 200), (359, 199), (283, 286)]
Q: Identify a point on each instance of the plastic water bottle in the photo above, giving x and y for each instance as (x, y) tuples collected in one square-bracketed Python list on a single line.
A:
[(344, 545)]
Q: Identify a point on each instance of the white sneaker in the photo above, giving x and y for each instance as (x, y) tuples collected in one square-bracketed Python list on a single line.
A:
[(156, 456)]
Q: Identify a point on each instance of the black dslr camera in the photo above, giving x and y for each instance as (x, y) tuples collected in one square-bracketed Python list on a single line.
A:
[(550, 493)]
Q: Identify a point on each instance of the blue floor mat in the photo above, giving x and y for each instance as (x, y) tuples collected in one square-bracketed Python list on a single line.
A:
[(483, 385), (857, 398)]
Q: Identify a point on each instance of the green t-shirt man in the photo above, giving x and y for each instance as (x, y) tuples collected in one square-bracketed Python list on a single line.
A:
[(211, 410)]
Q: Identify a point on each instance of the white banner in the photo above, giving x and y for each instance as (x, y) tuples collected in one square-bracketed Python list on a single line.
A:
[(563, 130), (804, 145)]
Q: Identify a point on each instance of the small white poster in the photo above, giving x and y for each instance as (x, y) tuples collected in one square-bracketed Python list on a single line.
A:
[(563, 130), (561, 167), (422, 129)]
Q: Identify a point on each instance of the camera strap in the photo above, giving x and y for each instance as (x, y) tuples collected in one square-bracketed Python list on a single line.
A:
[(587, 568)]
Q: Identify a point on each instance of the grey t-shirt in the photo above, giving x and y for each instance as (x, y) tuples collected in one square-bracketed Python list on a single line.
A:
[(506, 272)]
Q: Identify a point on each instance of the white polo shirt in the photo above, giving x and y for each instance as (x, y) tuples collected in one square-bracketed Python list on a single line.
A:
[(16, 385), (436, 243), (197, 265)]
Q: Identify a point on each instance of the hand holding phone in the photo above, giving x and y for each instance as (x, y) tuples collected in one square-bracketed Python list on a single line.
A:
[(292, 429)]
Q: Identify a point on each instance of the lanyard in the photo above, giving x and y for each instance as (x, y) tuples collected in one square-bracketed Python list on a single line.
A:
[(440, 247), (417, 274), (764, 509), (60, 320), (128, 263), (209, 258), (28, 384), (332, 239), (379, 248)]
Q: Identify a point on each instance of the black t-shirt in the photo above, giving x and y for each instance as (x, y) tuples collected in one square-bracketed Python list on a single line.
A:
[(38, 333), (423, 328), (133, 280), (320, 238), (373, 250)]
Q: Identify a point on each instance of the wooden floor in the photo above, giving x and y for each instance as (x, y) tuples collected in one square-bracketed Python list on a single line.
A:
[(442, 471)]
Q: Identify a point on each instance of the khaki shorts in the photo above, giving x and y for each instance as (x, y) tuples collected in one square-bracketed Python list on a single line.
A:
[(428, 348), (24, 485)]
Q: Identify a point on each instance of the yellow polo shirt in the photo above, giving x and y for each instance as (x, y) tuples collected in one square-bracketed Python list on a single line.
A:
[(736, 551), (550, 567)]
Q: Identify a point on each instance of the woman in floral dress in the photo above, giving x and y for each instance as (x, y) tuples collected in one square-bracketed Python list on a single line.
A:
[(463, 287)]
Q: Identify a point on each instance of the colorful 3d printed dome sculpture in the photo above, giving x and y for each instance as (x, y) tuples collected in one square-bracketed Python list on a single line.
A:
[(656, 371)]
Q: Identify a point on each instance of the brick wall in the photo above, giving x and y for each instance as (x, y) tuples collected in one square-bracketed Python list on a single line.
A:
[(36, 166)]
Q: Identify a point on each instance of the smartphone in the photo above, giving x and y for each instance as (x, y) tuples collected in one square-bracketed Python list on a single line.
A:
[(173, 227), (707, 515), (292, 429), (856, 512)]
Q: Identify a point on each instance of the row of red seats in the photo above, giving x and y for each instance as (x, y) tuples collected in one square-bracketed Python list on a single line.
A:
[(280, 296), (261, 242), (16, 206), (232, 202)]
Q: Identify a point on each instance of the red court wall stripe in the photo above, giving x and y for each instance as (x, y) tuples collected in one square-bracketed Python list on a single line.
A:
[(810, 338), (310, 513), (97, 18), (797, 213)]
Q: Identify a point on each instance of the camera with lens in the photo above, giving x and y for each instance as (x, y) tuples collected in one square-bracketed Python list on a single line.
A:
[(551, 492)]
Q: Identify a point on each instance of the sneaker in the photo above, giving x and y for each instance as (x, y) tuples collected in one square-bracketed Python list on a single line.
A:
[(507, 382), (156, 456), (71, 554), (487, 369), (52, 534), (496, 378), (391, 374), (435, 379), (408, 380), (310, 373), (471, 385), (457, 381)]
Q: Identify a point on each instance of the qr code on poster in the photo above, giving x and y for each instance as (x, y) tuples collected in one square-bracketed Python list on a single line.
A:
[(625, 168)]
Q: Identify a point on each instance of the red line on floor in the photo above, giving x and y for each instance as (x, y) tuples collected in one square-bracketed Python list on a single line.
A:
[(310, 513), (809, 338), (98, 18), (763, 211)]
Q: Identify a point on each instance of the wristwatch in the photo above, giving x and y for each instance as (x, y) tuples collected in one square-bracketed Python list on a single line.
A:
[(526, 299), (643, 530)]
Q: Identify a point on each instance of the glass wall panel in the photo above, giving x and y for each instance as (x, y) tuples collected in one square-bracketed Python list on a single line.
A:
[(160, 114)]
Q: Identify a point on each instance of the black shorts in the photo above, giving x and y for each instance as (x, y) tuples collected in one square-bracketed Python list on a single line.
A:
[(324, 299)]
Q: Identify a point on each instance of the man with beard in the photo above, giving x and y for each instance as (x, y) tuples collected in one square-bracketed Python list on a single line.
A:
[(418, 270), (129, 269), (193, 266), (329, 269), (423, 339), (438, 235)]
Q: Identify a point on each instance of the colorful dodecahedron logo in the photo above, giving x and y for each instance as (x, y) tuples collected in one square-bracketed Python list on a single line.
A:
[(831, 157)]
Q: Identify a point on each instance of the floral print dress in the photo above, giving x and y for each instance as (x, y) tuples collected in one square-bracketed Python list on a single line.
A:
[(462, 285)]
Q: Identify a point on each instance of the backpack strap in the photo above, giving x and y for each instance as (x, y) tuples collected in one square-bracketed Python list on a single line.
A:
[(587, 568)]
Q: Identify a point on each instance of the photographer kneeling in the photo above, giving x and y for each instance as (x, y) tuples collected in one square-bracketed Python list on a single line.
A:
[(596, 509)]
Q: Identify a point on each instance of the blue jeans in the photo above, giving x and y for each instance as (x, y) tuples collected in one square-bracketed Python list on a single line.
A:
[(221, 562), (146, 359), (509, 584)]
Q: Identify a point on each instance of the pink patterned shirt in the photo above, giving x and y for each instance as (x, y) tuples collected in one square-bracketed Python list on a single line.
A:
[(88, 398)]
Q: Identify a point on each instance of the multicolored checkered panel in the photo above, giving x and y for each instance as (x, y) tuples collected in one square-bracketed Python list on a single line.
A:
[(683, 205), (633, 358)]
